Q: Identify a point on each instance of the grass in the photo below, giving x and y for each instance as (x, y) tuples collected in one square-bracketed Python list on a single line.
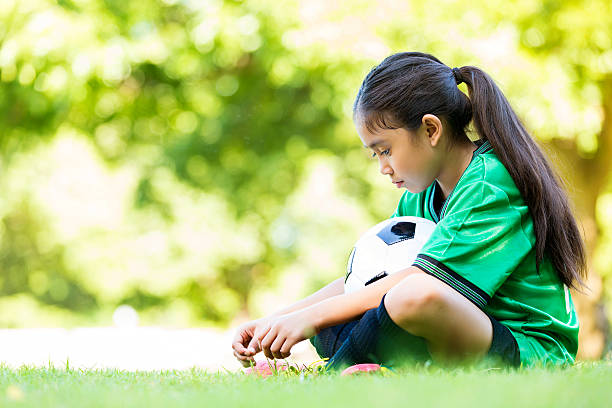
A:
[(586, 384)]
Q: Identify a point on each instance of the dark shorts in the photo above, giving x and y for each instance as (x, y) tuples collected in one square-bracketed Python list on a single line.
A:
[(503, 345)]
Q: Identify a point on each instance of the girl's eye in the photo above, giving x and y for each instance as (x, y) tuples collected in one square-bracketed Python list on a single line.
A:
[(384, 153)]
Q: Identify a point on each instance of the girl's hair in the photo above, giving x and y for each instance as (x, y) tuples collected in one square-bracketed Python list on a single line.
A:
[(406, 86)]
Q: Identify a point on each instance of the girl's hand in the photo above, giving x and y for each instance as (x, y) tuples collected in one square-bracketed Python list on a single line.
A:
[(245, 343), (285, 331)]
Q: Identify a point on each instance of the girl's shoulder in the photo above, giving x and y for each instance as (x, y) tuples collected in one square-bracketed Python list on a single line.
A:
[(487, 172), (487, 185)]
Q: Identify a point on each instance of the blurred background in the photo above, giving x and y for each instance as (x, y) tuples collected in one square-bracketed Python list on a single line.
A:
[(193, 163)]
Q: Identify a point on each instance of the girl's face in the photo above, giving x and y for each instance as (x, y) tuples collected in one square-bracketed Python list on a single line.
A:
[(409, 158)]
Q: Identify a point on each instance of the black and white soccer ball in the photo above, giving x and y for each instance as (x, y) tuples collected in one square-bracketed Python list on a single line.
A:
[(386, 248)]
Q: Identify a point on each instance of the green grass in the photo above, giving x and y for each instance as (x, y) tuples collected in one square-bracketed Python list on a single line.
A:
[(584, 385)]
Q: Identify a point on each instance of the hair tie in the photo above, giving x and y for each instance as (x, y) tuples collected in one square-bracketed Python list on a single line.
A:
[(457, 74)]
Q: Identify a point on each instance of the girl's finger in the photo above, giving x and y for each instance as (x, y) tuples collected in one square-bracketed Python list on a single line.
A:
[(285, 350), (253, 347), (276, 346), (267, 341), (241, 356), (261, 332), (238, 342), (245, 362)]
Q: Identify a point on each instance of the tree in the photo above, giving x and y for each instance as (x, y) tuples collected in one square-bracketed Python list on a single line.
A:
[(201, 100)]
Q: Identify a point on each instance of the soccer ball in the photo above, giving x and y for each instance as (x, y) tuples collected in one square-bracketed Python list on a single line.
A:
[(387, 247)]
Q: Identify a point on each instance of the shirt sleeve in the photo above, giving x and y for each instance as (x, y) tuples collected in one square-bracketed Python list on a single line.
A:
[(478, 243)]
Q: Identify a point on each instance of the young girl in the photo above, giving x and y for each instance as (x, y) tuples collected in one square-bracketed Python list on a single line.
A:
[(493, 278)]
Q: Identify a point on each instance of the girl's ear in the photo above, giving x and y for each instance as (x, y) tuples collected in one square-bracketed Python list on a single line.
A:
[(433, 128)]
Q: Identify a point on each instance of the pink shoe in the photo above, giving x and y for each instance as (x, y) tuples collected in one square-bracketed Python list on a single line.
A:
[(362, 368), (266, 368)]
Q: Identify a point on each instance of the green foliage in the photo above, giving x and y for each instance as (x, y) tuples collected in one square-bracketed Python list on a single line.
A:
[(25, 264), (189, 158), (197, 99)]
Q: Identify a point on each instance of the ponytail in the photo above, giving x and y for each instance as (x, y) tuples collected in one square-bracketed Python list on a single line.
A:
[(406, 86), (555, 228)]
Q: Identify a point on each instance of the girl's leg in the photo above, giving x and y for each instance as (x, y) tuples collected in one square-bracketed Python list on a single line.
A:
[(329, 340), (375, 338), (423, 317), (452, 326)]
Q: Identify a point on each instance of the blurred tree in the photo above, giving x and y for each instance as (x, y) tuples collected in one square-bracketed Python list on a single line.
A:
[(30, 265), (208, 90)]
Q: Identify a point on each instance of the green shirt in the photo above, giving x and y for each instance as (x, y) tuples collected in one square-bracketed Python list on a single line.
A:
[(484, 248)]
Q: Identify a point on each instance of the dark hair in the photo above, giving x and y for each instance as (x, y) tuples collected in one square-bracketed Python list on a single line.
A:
[(406, 86)]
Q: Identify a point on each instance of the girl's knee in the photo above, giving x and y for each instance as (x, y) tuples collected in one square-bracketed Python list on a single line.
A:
[(426, 307), (415, 300)]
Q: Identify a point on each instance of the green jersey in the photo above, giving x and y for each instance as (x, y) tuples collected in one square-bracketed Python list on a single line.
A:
[(484, 247)]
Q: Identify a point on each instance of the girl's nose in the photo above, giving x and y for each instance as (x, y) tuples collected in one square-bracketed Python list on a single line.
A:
[(385, 168)]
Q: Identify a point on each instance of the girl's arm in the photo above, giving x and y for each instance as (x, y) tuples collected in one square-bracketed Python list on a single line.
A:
[(343, 308), (280, 333), (332, 289)]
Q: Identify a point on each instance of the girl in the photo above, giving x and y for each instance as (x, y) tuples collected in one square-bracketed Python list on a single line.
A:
[(493, 278)]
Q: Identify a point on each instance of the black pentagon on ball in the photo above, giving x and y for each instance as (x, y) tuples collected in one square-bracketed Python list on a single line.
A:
[(349, 266), (377, 277), (394, 233)]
